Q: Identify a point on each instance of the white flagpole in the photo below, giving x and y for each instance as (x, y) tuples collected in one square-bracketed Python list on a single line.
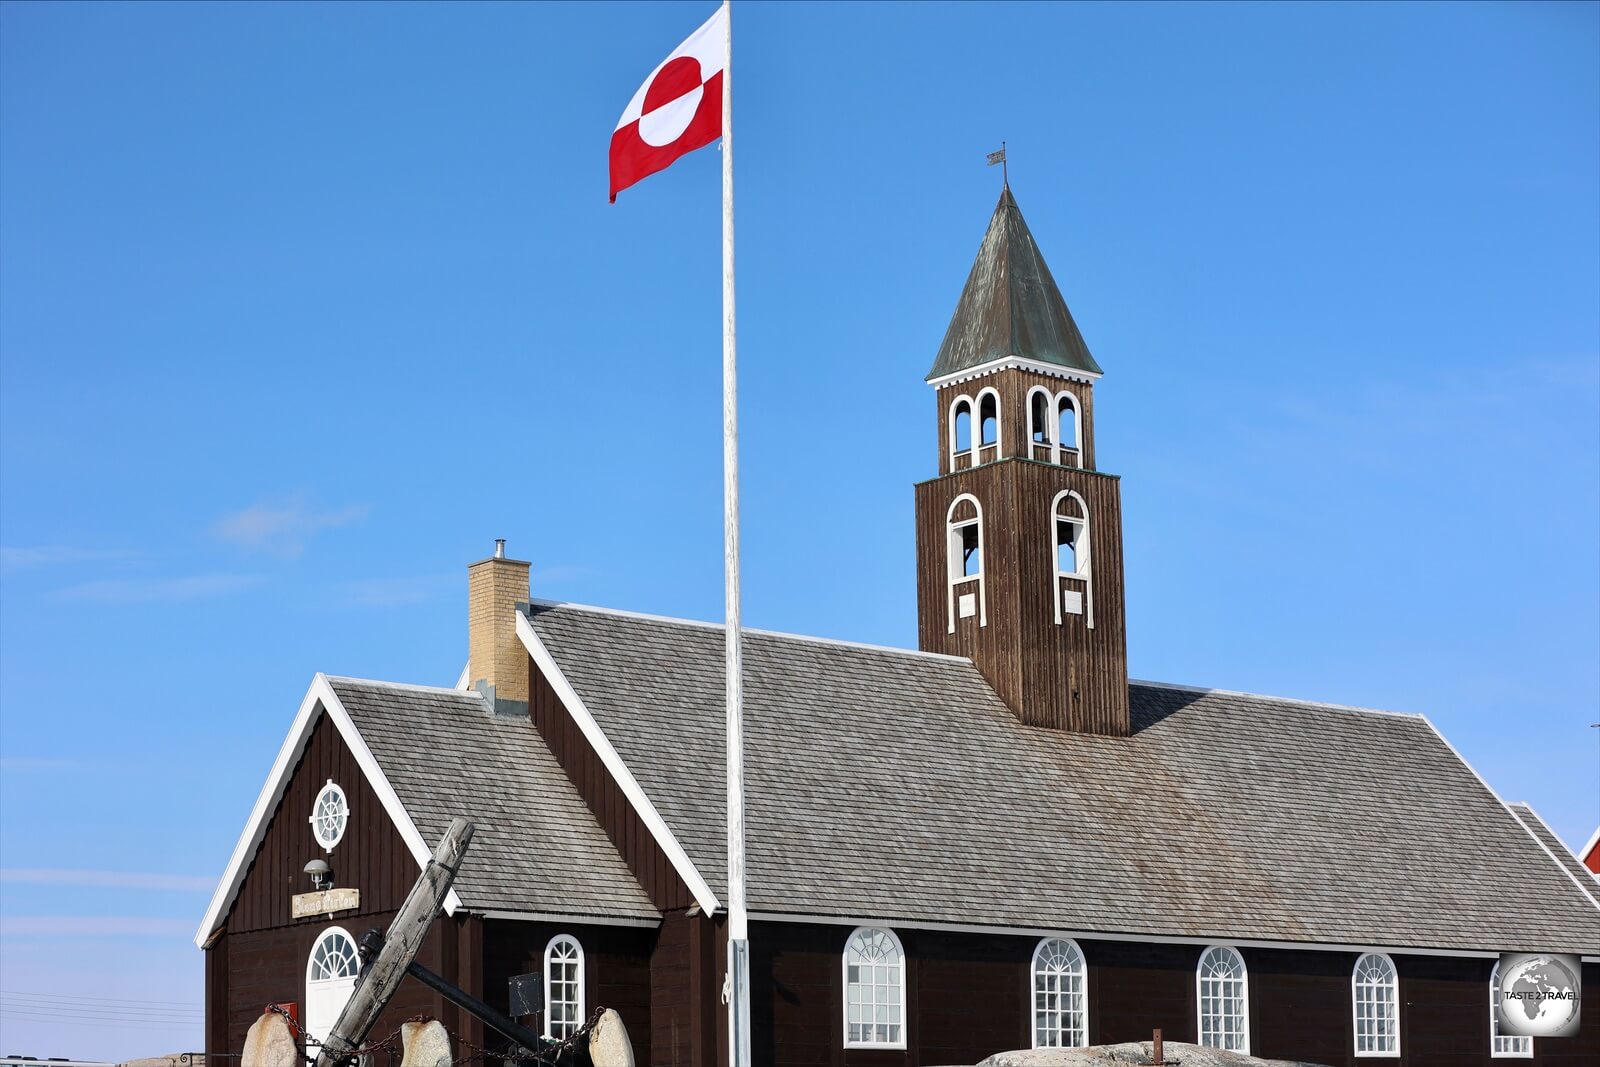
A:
[(738, 978)]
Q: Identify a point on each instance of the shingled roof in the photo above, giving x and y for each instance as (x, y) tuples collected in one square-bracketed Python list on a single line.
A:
[(895, 785), (536, 847), (1547, 837), (1010, 307)]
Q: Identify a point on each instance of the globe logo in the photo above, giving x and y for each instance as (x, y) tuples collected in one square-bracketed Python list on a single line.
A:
[(1540, 995)]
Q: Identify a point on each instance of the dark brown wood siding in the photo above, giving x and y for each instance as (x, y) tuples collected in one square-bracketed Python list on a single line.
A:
[(216, 1026), (370, 857), (685, 992), (1065, 674), (269, 967), (968, 997), (261, 957), (616, 968), (605, 798), (1013, 387)]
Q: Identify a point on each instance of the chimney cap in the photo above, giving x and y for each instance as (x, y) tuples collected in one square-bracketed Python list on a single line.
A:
[(499, 548)]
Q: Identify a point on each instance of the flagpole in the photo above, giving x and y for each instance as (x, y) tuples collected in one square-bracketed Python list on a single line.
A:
[(738, 978)]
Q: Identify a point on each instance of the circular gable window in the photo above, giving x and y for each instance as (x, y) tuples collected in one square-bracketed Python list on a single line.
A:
[(329, 815)]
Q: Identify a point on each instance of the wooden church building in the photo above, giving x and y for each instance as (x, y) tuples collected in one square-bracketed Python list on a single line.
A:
[(993, 842)]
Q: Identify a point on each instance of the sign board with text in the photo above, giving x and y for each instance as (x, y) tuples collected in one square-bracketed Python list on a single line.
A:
[(305, 905)]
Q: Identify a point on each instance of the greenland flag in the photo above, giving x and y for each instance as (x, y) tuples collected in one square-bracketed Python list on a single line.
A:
[(676, 110)]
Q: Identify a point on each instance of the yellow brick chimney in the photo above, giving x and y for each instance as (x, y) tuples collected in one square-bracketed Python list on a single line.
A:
[(497, 663)]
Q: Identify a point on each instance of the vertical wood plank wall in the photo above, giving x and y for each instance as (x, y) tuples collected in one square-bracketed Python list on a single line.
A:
[(616, 969), (261, 957), (1013, 386), (605, 798), (969, 996), (1064, 675)]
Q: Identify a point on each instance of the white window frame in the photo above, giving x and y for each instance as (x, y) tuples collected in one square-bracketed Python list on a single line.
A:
[(1084, 546), (1081, 972), (317, 1028), (1244, 997), (1050, 434), (1516, 1046), (978, 444), (1077, 425), (330, 790), (844, 974), (581, 1004), (972, 431), (953, 575), (1393, 986)]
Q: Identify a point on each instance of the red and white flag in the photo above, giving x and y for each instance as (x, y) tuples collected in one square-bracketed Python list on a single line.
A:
[(676, 110)]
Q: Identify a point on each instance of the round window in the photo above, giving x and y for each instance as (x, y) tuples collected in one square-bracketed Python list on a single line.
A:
[(329, 815)]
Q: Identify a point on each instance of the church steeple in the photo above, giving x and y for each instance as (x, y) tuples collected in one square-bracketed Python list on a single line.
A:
[(1010, 307), (1019, 538)]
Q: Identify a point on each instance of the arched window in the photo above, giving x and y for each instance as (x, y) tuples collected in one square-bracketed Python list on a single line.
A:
[(1376, 993), (331, 974), (964, 526), (1504, 1045), (563, 986), (988, 418), (1039, 416), (1069, 423), (1223, 992), (874, 984), (960, 428), (1069, 530), (1060, 996)]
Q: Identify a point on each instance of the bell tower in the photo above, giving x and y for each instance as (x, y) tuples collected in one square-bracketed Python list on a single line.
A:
[(1019, 538)]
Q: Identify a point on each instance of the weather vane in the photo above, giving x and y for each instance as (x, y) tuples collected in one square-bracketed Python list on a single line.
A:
[(1000, 158)]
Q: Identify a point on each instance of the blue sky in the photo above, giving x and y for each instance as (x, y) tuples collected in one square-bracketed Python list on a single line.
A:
[(301, 306)]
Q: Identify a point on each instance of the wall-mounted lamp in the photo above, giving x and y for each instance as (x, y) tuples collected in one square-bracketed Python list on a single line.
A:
[(321, 875)]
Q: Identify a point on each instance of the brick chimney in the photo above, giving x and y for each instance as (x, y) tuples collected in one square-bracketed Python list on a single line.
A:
[(497, 663)]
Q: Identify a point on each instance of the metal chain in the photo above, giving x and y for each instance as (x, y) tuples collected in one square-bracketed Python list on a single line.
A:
[(549, 1055)]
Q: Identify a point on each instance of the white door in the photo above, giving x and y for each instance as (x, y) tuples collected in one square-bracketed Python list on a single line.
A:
[(330, 979)]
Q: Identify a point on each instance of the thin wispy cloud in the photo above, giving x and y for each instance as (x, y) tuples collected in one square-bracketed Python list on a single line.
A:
[(14, 558), (390, 592), (92, 926), (282, 527), (151, 590), (183, 883), (37, 763)]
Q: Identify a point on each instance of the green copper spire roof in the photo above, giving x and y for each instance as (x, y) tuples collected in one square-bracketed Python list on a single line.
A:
[(1011, 308)]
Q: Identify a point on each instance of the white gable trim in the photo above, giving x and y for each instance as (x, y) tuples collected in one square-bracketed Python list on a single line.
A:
[(1588, 847), (619, 770), (1553, 836), (319, 699), (1587, 891)]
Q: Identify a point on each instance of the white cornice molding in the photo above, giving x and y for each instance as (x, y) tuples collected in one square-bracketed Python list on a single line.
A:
[(618, 769), (994, 366), (319, 699)]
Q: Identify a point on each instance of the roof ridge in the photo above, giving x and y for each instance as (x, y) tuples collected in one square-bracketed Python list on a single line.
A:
[(704, 625), (381, 683), (1326, 705)]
